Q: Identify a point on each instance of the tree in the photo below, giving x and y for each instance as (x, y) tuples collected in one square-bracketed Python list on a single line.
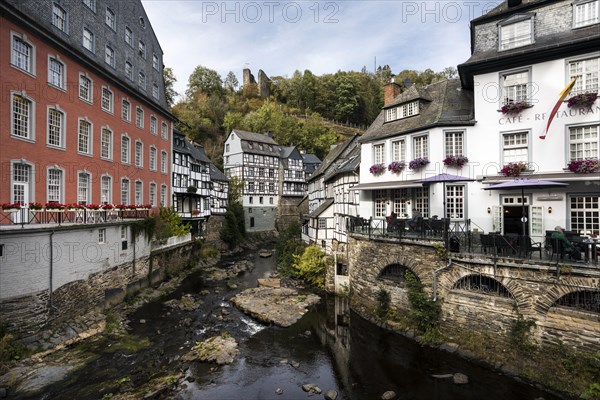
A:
[(311, 266), (169, 79), (347, 98), (206, 80), (450, 72), (231, 82)]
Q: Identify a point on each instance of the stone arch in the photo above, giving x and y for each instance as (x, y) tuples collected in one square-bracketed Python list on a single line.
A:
[(585, 300), (396, 265), (482, 283), (560, 289)]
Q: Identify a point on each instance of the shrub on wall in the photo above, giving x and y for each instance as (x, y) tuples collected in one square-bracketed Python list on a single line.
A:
[(311, 266)]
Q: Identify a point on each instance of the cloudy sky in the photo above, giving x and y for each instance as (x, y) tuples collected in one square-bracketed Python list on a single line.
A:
[(280, 37)]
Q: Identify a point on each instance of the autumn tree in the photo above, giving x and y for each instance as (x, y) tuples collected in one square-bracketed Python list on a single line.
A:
[(169, 80)]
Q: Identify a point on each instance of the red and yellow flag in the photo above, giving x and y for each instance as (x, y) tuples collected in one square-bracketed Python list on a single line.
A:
[(562, 97)]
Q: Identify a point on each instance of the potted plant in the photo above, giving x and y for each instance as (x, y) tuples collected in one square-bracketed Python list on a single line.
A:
[(515, 107), (586, 166), (107, 206), (121, 207), (396, 166), (74, 206), (92, 206), (192, 189), (513, 169), (582, 100), (455, 161), (132, 207), (11, 207), (54, 206), (34, 206), (418, 162), (377, 169)]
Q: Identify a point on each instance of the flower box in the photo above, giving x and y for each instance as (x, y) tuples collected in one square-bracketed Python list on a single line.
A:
[(107, 206), (515, 107), (35, 206), (54, 206), (586, 166), (583, 100), (396, 166), (11, 207), (377, 169), (455, 161), (513, 169), (418, 163), (92, 207)]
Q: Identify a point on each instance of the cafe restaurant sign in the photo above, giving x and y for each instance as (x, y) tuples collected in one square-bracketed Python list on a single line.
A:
[(518, 119)]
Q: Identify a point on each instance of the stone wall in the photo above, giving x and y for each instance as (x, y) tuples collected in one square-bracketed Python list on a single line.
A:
[(533, 287), (288, 211), (213, 228), (261, 216)]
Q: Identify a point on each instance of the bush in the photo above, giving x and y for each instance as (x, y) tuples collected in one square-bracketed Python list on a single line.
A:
[(289, 244), (425, 313), (520, 333), (234, 228), (383, 302), (311, 265)]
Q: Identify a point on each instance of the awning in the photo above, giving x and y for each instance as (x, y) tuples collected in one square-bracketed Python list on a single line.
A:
[(388, 185)]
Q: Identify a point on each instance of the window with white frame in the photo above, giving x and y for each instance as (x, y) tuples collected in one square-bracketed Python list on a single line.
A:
[(55, 185), (83, 188), (84, 139), (516, 32), (153, 125), (142, 80), (400, 197), (586, 71), (22, 124), (585, 12), (125, 149), (56, 72), (139, 192), (106, 143), (421, 146), (390, 114), (91, 4), (153, 158), (585, 214), (123, 237), (454, 143), (59, 17), (164, 130), (88, 39), (21, 183), (107, 100), (155, 92), (455, 201), (584, 142), (105, 189), (126, 110), (128, 36), (515, 147), (142, 49), (153, 194), (155, 62), (422, 201), (379, 153), (399, 150), (163, 195), (163, 162), (515, 86), (102, 235), (139, 154), (251, 187), (56, 128), (85, 88), (125, 191), (129, 70), (139, 117), (379, 203), (322, 223), (109, 56), (22, 55), (111, 19)]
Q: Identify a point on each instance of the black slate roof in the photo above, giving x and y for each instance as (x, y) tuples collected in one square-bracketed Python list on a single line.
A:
[(332, 156), (350, 163), (324, 206), (449, 105), (216, 174), (255, 137)]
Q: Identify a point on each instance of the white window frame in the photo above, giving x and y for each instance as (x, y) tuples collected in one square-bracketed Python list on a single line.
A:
[(55, 185), (153, 155), (107, 100), (163, 195), (30, 118), (379, 203), (106, 190), (155, 91), (152, 194), (142, 49), (60, 18), (153, 125), (454, 143), (586, 144), (139, 154), (125, 152), (25, 62), (109, 56), (106, 147), (390, 114), (399, 150), (515, 91), (455, 202), (88, 95), (125, 191), (587, 71), (60, 128), (56, 78), (420, 146), (590, 10), (88, 40), (102, 236), (142, 80), (27, 183), (518, 145), (163, 162), (129, 70), (155, 62), (379, 153), (508, 30), (111, 19), (84, 187), (90, 137), (138, 192), (164, 130), (584, 212), (126, 110), (91, 4), (129, 38), (139, 117)]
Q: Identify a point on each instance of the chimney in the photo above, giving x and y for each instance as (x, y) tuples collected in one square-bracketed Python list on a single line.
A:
[(390, 92)]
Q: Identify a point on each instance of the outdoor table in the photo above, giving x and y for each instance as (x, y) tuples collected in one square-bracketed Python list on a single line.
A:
[(589, 247)]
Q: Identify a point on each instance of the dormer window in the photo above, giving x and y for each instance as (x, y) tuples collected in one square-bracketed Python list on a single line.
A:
[(250, 145), (402, 111), (585, 12), (516, 31)]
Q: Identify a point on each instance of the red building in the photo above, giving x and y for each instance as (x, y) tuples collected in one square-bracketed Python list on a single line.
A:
[(83, 116)]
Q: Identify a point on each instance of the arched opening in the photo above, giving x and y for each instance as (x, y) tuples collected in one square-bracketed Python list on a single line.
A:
[(585, 300), (482, 284), (395, 272)]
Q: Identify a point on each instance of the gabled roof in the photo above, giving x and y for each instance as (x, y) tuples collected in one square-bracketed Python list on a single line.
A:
[(503, 8), (216, 174), (290, 152), (333, 155), (450, 105), (199, 154), (254, 137), (311, 159), (413, 93), (322, 208), (346, 165)]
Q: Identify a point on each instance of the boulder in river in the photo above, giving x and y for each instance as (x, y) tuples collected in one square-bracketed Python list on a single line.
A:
[(460, 379), (331, 395), (311, 388), (265, 253), (389, 395), (269, 282), (218, 349), (280, 306)]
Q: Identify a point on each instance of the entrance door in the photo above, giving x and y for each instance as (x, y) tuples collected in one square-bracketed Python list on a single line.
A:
[(513, 219), (21, 179)]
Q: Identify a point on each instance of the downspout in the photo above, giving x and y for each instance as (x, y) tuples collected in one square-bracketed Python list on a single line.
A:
[(435, 276), (50, 288)]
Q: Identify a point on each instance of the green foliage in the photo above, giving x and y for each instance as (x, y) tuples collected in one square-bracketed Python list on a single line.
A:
[(289, 244), (169, 79), (168, 223), (425, 313), (10, 349), (205, 80), (383, 302), (208, 251), (520, 332), (113, 322), (311, 265), (440, 251), (592, 392), (233, 229)]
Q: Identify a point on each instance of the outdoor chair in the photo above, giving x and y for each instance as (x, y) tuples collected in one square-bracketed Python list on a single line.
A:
[(487, 243), (527, 247), (557, 249)]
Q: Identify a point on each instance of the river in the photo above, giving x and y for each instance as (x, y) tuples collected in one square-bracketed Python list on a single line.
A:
[(330, 347)]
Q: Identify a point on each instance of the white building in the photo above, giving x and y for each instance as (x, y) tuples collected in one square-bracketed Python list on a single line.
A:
[(219, 191)]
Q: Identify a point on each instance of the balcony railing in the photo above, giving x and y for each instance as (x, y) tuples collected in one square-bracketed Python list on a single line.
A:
[(25, 216)]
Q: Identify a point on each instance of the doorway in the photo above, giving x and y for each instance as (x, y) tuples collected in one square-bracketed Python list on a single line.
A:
[(513, 220)]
